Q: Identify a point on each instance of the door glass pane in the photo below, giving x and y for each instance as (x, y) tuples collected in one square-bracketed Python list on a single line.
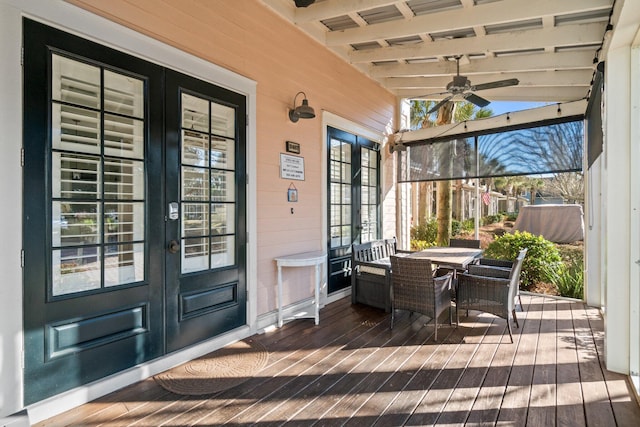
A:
[(195, 254), (123, 179), (75, 270), (124, 222), (222, 153), (223, 219), (195, 219), (223, 120), (75, 176), (208, 227), (369, 195), (222, 251), (95, 243), (75, 82), (195, 148), (223, 186), (76, 223), (123, 136), (75, 129), (195, 184), (123, 264), (195, 113), (123, 94)]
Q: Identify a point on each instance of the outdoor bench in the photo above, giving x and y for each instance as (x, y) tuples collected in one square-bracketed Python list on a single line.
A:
[(370, 275)]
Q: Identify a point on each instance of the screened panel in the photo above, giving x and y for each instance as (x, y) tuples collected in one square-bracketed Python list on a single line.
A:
[(551, 148), (546, 149)]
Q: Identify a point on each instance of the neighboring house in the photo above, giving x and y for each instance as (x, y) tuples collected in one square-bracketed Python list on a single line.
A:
[(125, 255)]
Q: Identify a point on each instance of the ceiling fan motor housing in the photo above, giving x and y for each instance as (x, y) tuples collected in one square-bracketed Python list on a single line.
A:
[(459, 84)]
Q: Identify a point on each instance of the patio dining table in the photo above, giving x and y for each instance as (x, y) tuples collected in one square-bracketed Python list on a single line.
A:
[(456, 258)]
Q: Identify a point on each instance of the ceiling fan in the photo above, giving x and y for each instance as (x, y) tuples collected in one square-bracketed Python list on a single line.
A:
[(461, 85), (303, 3)]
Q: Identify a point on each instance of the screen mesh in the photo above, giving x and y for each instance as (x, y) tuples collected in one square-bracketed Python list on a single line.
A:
[(551, 148)]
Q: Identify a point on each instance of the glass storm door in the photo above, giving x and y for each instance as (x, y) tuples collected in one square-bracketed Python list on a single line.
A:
[(354, 200), (206, 189)]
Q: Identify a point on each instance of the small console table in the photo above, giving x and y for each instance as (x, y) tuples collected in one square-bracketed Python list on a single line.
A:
[(306, 259)]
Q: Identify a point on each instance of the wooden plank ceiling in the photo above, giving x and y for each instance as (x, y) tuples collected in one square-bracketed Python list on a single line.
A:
[(410, 47)]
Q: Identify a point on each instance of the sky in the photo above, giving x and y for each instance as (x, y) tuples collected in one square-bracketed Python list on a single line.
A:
[(501, 107)]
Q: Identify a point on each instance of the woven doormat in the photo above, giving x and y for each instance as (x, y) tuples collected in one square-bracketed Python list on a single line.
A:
[(216, 371)]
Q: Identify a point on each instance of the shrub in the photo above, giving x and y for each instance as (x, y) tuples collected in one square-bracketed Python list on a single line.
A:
[(569, 279), (456, 227), (426, 231), (542, 255), (418, 245), (511, 216), (468, 225)]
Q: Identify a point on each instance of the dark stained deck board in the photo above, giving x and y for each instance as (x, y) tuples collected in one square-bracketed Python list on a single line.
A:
[(542, 401), (352, 370), (515, 403), (598, 410), (569, 406), (621, 394)]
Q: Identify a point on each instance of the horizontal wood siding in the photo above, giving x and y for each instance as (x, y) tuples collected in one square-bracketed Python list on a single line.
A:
[(250, 39)]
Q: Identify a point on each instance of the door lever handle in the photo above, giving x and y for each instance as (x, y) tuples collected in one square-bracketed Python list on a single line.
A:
[(174, 247)]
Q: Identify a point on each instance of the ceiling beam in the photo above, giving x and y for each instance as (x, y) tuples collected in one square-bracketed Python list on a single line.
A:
[(549, 112), (513, 93), (332, 8), (516, 63), (566, 35), (449, 20), (534, 78)]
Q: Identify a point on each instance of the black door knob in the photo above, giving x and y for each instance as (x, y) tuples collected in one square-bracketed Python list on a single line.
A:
[(174, 246)]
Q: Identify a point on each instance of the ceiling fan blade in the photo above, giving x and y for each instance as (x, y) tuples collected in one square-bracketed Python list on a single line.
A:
[(440, 104), (496, 84), (475, 99)]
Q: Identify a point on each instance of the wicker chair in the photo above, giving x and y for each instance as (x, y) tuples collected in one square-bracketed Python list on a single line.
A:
[(414, 288), (464, 243), (491, 294), (502, 269)]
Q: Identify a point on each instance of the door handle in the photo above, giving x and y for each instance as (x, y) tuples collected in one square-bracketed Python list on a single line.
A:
[(174, 247)]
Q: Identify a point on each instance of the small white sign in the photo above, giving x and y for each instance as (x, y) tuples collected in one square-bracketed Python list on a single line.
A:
[(291, 167)]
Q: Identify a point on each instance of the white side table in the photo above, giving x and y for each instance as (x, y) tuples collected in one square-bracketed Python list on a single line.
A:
[(306, 259)]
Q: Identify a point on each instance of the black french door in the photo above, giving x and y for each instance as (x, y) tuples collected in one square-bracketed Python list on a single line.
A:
[(133, 228), (353, 200)]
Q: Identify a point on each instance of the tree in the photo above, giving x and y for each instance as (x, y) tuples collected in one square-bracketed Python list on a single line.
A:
[(448, 113)]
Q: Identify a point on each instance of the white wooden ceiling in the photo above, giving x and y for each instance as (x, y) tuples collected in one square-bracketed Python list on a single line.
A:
[(550, 46)]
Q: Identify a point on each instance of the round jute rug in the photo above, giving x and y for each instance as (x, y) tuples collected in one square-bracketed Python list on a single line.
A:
[(216, 371)]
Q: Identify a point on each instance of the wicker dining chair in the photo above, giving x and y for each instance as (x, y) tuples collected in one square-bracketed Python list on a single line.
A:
[(414, 288), (464, 243), (491, 294), (498, 264)]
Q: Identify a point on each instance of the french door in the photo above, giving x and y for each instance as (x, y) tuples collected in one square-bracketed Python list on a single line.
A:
[(133, 211), (353, 200)]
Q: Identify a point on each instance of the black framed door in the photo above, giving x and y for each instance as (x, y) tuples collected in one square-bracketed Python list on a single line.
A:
[(206, 187), (107, 147), (353, 200)]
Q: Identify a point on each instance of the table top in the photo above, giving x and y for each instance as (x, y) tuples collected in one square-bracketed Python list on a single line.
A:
[(450, 256), (301, 259)]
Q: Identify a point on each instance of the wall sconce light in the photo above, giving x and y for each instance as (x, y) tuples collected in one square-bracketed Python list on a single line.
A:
[(303, 111)]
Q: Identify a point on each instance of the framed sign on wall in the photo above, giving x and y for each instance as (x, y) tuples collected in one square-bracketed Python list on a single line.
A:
[(291, 167)]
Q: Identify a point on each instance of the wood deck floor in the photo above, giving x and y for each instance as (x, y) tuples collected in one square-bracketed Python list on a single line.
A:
[(352, 370)]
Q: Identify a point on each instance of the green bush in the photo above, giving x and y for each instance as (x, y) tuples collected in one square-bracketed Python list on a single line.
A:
[(456, 227), (569, 279), (426, 231), (511, 216), (468, 225), (418, 245), (542, 255)]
